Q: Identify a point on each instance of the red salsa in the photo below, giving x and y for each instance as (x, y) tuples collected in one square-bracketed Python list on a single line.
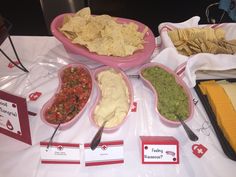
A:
[(76, 86)]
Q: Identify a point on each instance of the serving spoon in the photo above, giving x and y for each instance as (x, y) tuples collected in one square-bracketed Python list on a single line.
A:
[(192, 136), (97, 138), (50, 141)]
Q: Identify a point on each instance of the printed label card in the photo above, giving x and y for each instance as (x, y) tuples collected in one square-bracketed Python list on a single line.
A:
[(14, 121), (159, 150), (60, 153), (110, 152)]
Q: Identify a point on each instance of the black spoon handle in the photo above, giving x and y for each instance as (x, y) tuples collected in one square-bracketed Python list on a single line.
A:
[(50, 141), (97, 138), (192, 136)]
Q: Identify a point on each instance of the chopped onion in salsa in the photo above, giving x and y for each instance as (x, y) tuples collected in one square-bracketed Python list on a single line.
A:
[(76, 86)]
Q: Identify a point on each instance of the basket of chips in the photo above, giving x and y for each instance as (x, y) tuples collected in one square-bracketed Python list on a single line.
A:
[(189, 38)]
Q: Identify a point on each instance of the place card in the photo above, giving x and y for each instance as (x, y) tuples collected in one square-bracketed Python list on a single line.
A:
[(14, 121), (110, 152), (60, 153), (159, 150)]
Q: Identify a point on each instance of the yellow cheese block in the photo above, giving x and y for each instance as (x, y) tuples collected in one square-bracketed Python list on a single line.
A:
[(230, 89), (227, 118), (224, 113), (227, 123), (216, 92), (204, 84), (223, 109), (216, 95)]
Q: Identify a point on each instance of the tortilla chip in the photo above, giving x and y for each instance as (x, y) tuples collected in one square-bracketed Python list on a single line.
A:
[(102, 34), (189, 41)]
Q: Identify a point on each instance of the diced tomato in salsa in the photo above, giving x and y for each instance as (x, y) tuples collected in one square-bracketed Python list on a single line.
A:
[(74, 93)]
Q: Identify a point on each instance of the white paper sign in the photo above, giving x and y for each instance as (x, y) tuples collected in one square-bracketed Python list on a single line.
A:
[(111, 152), (9, 117), (14, 120), (60, 153), (160, 153)]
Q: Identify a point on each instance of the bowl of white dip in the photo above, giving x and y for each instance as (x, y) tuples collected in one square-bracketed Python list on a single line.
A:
[(114, 98)]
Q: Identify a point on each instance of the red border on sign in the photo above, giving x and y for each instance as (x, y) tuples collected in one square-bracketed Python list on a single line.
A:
[(159, 140), (23, 118), (59, 162), (44, 143), (103, 162), (108, 143)]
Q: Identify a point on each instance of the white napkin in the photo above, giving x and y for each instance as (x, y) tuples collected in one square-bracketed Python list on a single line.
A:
[(206, 61), (170, 57)]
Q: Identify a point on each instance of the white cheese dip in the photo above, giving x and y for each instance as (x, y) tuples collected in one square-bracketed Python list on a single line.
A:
[(114, 103)]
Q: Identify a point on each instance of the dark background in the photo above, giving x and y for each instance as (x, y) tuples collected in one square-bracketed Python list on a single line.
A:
[(29, 18)]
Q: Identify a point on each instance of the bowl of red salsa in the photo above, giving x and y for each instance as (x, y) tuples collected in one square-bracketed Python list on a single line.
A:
[(71, 98)]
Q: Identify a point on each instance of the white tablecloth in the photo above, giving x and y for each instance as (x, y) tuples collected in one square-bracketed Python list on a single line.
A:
[(43, 56)]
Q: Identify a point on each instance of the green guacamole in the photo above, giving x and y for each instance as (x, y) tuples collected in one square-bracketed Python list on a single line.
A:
[(172, 100)]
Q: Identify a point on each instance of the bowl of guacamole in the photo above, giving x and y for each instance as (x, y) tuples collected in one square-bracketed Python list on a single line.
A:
[(172, 96)]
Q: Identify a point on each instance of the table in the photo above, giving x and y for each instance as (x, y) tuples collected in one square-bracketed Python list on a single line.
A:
[(43, 56)]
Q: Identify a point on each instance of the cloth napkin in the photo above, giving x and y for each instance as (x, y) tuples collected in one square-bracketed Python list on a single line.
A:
[(220, 62)]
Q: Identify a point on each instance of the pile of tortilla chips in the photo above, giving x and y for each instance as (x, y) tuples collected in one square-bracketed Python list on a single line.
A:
[(190, 41), (102, 34)]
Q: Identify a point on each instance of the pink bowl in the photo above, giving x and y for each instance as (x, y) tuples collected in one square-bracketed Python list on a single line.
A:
[(138, 58), (49, 103), (178, 81), (98, 98)]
